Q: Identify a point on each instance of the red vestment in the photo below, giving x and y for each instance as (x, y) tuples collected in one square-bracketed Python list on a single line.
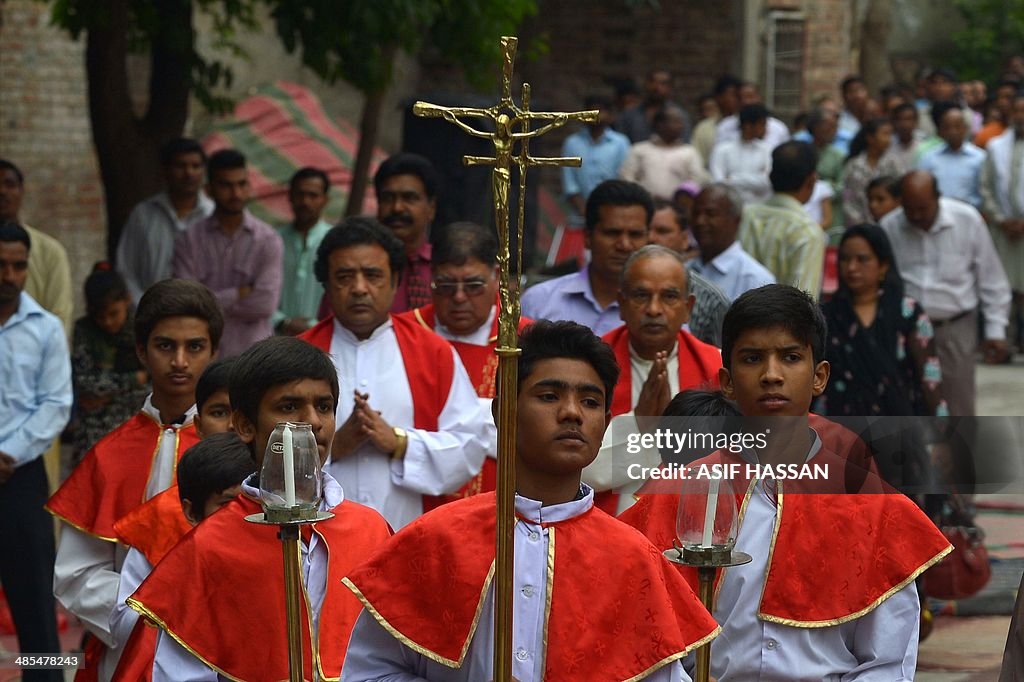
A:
[(220, 592), (836, 555), (699, 363), (111, 479), (429, 366), (640, 614), (153, 529), (481, 364)]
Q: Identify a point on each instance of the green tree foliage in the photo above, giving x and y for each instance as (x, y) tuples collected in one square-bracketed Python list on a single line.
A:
[(994, 30)]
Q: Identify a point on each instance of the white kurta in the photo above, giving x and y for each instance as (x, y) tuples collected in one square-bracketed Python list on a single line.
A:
[(374, 655), (610, 470), (174, 663), (87, 570), (435, 462), (880, 646)]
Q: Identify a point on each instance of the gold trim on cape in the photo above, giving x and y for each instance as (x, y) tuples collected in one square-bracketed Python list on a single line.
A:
[(676, 656), (316, 640), (78, 527), (419, 318), (437, 658), (867, 609), (549, 588), (771, 547), (149, 615), (739, 524)]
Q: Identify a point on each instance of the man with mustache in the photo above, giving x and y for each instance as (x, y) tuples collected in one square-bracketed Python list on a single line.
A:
[(658, 359), (406, 186), (410, 426), (34, 409)]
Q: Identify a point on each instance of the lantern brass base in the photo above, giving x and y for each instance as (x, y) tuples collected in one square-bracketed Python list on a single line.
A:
[(716, 556), (296, 516)]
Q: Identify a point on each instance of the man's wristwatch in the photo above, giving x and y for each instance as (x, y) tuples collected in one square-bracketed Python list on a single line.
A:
[(401, 442)]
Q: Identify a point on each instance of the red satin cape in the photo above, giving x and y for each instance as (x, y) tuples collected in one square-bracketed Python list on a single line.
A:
[(220, 592), (618, 610)]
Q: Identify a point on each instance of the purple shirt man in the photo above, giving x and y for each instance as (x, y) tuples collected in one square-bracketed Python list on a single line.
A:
[(237, 256)]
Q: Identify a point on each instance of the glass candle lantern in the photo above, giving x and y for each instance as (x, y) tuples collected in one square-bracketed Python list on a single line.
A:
[(706, 522), (290, 482)]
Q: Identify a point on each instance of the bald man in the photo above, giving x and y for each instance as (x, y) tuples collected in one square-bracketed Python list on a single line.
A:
[(950, 266)]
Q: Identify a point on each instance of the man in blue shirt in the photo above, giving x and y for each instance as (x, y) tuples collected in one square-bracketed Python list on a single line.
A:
[(602, 149), (618, 214), (35, 402), (956, 164)]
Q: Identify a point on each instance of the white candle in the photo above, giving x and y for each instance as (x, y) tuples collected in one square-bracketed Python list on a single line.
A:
[(709, 513), (289, 468)]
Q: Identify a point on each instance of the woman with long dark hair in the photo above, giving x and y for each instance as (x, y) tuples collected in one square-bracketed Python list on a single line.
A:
[(880, 343)]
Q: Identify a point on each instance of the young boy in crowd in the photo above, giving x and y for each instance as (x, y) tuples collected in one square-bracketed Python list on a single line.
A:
[(230, 570), (210, 475), (883, 196), (830, 592), (154, 528), (602, 604), (178, 326)]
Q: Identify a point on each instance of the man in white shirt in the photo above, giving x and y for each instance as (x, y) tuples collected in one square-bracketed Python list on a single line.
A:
[(410, 424), (746, 162), (146, 247), (950, 266), (728, 129)]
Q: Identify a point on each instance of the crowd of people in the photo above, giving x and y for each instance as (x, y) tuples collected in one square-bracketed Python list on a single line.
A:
[(708, 278)]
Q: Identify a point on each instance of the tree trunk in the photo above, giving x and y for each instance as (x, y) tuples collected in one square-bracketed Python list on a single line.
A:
[(368, 123), (874, 44), (127, 148)]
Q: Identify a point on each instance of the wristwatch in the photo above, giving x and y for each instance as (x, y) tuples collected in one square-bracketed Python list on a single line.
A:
[(401, 442)]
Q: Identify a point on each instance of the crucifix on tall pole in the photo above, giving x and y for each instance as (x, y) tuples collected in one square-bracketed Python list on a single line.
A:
[(511, 129)]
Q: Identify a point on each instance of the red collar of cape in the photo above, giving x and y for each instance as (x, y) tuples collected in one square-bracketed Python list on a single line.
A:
[(699, 363), (641, 613), (835, 555), (111, 480), (155, 527), (235, 579)]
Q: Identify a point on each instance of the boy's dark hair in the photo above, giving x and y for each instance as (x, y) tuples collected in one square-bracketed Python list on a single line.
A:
[(891, 183), (679, 213), (792, 163), (354, 231), (179, 146), (850, 80), (9, 165), (701, 403), (407, 164), (104, 286), (307, 172), (753, 113), (11, 231), (224, 159), (617, 193), (725, 82), (545, 339), (177, 298), (597, 101), (216, 377), (272, 362), (900, 108), (211, 466), (775, 305), (464, 240)]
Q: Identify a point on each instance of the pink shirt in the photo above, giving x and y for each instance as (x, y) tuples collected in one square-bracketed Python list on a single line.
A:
[(251, 257)]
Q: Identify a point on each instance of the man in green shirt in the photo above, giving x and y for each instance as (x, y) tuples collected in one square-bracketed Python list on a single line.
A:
[(300, 291), (779, 233)]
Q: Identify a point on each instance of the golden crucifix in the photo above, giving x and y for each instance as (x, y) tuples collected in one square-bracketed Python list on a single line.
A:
[(511, 126)]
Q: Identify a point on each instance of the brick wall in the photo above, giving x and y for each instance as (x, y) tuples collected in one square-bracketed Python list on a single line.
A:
[(44, 129)]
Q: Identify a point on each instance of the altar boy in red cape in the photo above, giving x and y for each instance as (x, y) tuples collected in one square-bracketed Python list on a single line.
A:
[(600, 604), (210, 475), (464, 268), (178, 326), (658, 359), (218, 595), (830, 592), (410, 425)]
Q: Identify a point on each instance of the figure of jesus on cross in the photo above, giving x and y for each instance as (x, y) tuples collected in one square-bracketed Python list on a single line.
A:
[(511, 125)]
